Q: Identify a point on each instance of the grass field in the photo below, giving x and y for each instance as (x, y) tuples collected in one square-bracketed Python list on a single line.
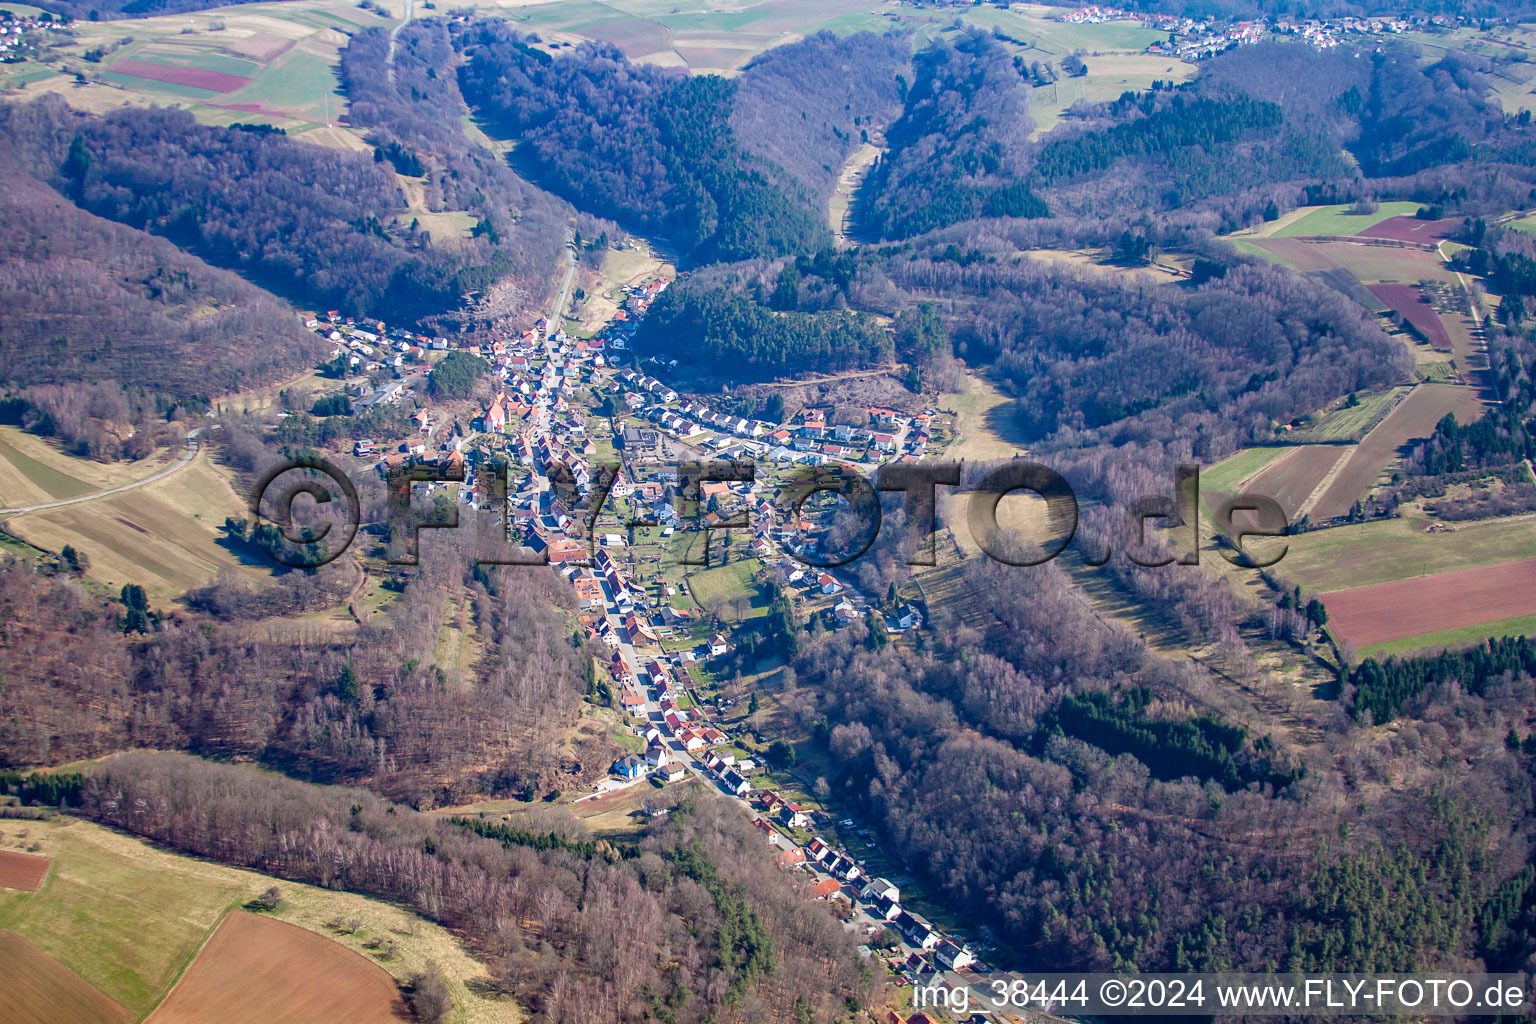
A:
[(1228, 474), (986, 428), (33, 470), (1341, 422), (1520, 625), (163, 536), (604, 289), (127, 927), (1108, 76), (128, 917), (1337, 220), (728, 582), (1394, 549)]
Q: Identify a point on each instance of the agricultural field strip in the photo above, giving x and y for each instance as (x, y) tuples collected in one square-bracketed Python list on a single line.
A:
[(1427, 604)]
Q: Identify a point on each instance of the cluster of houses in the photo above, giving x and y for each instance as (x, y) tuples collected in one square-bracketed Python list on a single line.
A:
[(536, 419), (1194, 39), (22, 36), (1198, 38), (805, 440)]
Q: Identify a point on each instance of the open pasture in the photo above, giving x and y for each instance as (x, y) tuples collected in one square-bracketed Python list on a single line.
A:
[(163, 536), (35, 470), (1430, 604), (1414, 417)]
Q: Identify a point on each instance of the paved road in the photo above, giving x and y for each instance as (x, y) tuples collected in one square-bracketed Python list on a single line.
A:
[(193, 446)]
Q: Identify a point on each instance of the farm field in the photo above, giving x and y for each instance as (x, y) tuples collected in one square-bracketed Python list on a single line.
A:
[(701, 36), (1407, 300), (1368, 263), (1344, 422), (1445, 601), (125, 925), (1462, 636), (1414, 417), (163, 536), (34, 471), (269, 63), (1451, 327), (40, 990), (258, 970), (118, 910), (1393, 549), (1412, 229), (1229, 474), (1334, 220), (22, 870), (1292, 479)]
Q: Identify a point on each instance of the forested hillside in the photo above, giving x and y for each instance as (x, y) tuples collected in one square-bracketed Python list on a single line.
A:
[(418, 116), (724, 331), (1051, 716), (688, 923), (959, 150), (315, 225), (368, 708), (84, 299), (110, 10), (805, 106), (694, 159)]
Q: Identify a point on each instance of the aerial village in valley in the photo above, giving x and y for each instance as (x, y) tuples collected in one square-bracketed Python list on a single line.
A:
[(588, 403), (1197, 38)]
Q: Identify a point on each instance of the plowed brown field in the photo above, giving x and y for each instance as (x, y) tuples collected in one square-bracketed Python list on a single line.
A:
[(1428, 604), (39, 990), (22, 870), (259, 971), (1407, 300), (1292, 479), (1411, 229)]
